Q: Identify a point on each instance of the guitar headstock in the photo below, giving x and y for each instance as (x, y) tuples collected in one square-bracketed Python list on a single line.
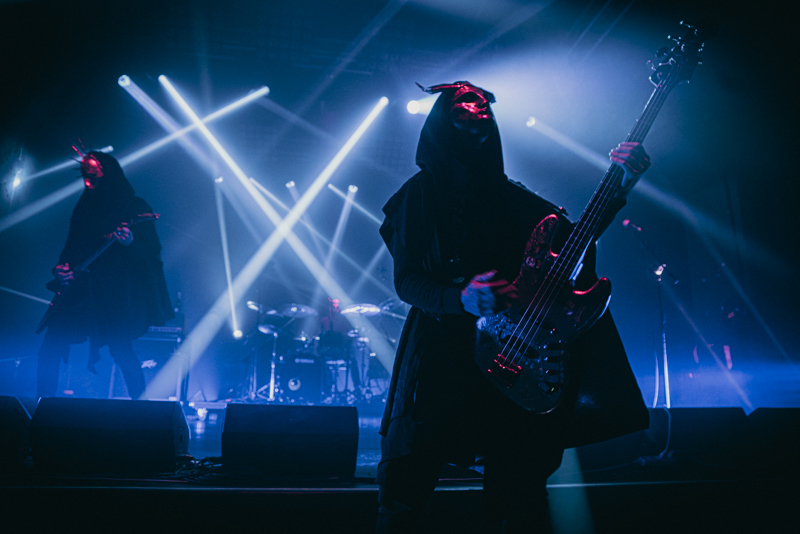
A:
[(676, 65)]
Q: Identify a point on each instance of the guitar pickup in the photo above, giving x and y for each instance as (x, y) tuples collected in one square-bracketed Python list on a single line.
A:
[(505, 370)]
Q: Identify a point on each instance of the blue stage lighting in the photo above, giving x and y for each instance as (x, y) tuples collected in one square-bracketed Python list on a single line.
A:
[(352, 189), (413, 107), (124, 81)]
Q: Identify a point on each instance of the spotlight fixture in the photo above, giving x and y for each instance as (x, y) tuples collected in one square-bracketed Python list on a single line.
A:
[(237, 334), (413, 107), (530, 122), (218, 180), (124, 81), (352, 189), (290, 185)]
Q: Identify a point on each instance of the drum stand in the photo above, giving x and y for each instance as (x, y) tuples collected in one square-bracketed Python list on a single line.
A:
[(253, 392), (363, 389)]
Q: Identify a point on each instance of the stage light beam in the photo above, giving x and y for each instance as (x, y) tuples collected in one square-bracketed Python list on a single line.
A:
[(356, 205), (167, 122), (40, 205), (365, 275), (223, 233), (66, 165), (210, 324), (701, 224), (130, 158), (24, 295)]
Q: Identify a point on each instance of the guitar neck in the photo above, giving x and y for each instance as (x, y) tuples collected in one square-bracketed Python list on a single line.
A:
[(88, 261), (144, 217), (586, 228)]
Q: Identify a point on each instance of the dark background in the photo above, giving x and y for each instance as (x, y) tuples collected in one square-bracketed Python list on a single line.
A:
[(722, 151)]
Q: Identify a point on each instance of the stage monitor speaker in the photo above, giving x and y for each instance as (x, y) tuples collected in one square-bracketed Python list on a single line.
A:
[(100, 435), (291, 440), (777, 432), (719, 436), (14, 437)]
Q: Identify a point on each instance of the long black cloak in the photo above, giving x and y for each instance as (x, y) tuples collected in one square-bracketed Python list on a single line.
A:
[(124, 292), (460, 216)]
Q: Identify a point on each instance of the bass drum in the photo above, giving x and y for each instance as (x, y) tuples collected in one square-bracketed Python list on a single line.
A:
[(301, 378)]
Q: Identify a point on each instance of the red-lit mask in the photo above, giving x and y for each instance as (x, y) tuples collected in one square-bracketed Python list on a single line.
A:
[(91, 170), (470, 111)]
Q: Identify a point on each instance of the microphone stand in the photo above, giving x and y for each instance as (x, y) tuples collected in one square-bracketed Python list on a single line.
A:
[(659, 272)]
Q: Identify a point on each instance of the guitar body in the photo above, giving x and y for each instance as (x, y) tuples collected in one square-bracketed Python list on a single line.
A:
[(525, 354)]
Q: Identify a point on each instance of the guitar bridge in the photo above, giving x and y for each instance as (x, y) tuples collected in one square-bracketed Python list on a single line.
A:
[(505, 370)]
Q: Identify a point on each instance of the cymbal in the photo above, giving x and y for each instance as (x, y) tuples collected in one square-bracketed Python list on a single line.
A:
[(266, 328), (362, 309), (260, 308), (297, 310)]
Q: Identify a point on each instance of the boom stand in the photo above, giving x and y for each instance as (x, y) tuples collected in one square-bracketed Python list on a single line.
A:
[(659, 272)]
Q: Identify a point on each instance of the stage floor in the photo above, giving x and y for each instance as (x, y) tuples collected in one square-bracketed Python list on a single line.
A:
[(676, 492)]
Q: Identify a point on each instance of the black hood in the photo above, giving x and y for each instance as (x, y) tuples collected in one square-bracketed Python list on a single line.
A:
[(99, 211), (440, 143)]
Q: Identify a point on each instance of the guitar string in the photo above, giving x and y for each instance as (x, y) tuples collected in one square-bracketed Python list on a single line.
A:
[(553, 280), (591, 221), (594, 216)]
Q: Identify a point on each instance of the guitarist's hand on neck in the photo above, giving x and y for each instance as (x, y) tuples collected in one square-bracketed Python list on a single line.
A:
[(633, 160), (64, 274)]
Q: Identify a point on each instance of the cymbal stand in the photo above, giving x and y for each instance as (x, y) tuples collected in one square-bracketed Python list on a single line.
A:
[(366, 391), (273, 358)]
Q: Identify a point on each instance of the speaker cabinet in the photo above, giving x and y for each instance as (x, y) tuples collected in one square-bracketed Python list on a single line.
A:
[(291, 440), (777, 433), (14, 437), (99, 435)]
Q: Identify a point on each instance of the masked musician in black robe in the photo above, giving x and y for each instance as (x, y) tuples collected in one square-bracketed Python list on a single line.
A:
[(457, 232), (124, 291)]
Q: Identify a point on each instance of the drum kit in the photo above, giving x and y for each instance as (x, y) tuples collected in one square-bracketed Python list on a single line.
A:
[(312, 359)]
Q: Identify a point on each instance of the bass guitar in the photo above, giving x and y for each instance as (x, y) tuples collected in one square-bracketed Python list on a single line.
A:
[(523, 351), (64, 290)]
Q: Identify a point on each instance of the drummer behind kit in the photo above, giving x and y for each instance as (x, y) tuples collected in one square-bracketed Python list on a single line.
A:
[(298, 357)]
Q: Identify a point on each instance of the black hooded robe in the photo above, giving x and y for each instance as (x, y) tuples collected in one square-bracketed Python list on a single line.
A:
[(124, 292), (440, 238)]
